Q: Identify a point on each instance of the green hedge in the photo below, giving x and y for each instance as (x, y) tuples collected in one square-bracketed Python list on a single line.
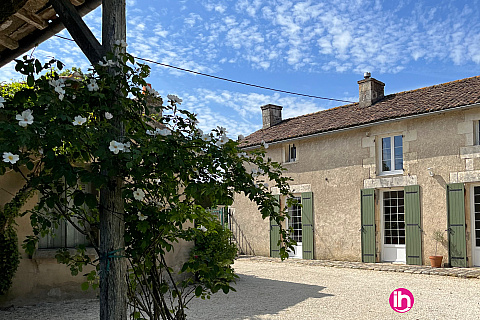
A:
[(9, 258)]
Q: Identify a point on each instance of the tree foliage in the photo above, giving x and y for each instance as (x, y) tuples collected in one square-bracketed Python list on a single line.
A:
[(62, 130)]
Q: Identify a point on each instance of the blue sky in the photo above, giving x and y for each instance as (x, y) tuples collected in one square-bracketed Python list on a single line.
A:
[(320, 48)]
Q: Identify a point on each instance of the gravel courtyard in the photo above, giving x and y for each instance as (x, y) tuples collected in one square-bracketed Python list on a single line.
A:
[(273, 290)]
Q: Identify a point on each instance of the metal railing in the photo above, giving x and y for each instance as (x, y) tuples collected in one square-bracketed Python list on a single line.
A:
[(228, 221), (239, 237)]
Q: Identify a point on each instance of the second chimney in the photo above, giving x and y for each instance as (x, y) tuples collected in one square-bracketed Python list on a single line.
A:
[(370, 90), (271, 115)]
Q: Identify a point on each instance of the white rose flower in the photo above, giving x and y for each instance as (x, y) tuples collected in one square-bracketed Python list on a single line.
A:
[(25, 118), (202, 228), (116, 147), (141, 216), (108, 115), (174, 99), (10, 157), (92, 86), (206, 137), (164, 132), (79, 120), (139, 194)]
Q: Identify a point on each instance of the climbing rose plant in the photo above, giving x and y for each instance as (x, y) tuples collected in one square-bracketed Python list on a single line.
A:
[(59, 134)]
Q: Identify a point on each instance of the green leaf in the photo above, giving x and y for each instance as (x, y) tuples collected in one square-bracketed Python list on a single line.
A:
[(50, 202), (198, 291), (91, 201), (79, 198), (85, 286), (30, 80), (38, 66), (30, 165)]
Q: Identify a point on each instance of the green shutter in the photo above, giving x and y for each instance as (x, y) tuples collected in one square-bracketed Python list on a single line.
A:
[(307, 226), (413, 232), (275, 235), (457, 251), (368, 225)]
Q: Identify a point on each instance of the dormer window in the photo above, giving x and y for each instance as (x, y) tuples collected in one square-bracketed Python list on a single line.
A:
[(391, 161), (290, 153)]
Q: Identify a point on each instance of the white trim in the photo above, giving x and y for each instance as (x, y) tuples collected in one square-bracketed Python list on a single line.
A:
[(366, 125), (382, 228), (295, 188)]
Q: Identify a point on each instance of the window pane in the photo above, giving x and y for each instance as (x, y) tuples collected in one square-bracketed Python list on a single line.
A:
[(398, 152), (386, 154), (401, 240)]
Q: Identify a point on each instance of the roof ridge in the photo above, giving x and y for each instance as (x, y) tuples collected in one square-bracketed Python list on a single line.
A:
[(389, 95), (438, 97), (433, 86)]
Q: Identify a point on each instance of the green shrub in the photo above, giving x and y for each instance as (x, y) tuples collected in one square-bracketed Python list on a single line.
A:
[(9, 258), (211, 259)]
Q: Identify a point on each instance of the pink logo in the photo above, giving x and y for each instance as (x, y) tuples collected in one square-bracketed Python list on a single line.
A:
[(401, 300)]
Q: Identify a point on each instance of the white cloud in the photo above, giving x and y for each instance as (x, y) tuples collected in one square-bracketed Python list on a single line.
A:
[(244, 110)]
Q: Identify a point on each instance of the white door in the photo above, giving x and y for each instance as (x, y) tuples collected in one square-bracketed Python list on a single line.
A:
[(393, 227), (475, 214), (295, 222)]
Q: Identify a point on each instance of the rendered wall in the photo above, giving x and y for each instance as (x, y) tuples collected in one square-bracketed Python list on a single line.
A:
[(41, 277), (337, 166)]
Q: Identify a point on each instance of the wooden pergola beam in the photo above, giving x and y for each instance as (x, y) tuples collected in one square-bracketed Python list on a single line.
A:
[(31, 18), (79, 31), (8, 42), (38, 36)]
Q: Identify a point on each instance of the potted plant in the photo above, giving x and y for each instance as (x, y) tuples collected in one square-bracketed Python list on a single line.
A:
[(436, 261)]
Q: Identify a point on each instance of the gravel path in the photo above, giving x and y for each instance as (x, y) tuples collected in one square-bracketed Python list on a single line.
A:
[(272, 290)]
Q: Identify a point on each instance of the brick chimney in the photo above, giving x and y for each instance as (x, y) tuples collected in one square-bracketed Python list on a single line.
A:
[(370, 90), (271, 115)]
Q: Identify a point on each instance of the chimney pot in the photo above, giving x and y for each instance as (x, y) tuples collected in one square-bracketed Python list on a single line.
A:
[(367, 75)]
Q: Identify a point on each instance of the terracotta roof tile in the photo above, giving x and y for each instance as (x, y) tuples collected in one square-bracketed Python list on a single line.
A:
[(419, 101)]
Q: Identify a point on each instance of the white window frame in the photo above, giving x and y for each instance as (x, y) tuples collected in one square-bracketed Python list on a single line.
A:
[(288, 156), (392, 155), (298, 248)]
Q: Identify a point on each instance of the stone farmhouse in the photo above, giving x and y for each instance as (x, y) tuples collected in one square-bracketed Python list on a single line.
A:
[(377, 178)]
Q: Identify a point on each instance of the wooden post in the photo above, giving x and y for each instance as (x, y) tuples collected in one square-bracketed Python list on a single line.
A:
[(113, 280)]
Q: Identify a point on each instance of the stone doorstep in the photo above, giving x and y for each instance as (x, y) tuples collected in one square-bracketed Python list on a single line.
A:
[(465, 273)]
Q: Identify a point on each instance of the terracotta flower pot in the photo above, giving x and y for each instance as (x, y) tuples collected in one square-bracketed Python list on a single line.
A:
[(436, 261)]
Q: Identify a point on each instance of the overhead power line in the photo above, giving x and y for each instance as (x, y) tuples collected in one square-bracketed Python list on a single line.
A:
[(230, 80)]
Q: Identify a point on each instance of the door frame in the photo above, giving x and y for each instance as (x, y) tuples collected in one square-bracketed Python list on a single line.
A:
[(298, 253), (382, 224), (472, 223)]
